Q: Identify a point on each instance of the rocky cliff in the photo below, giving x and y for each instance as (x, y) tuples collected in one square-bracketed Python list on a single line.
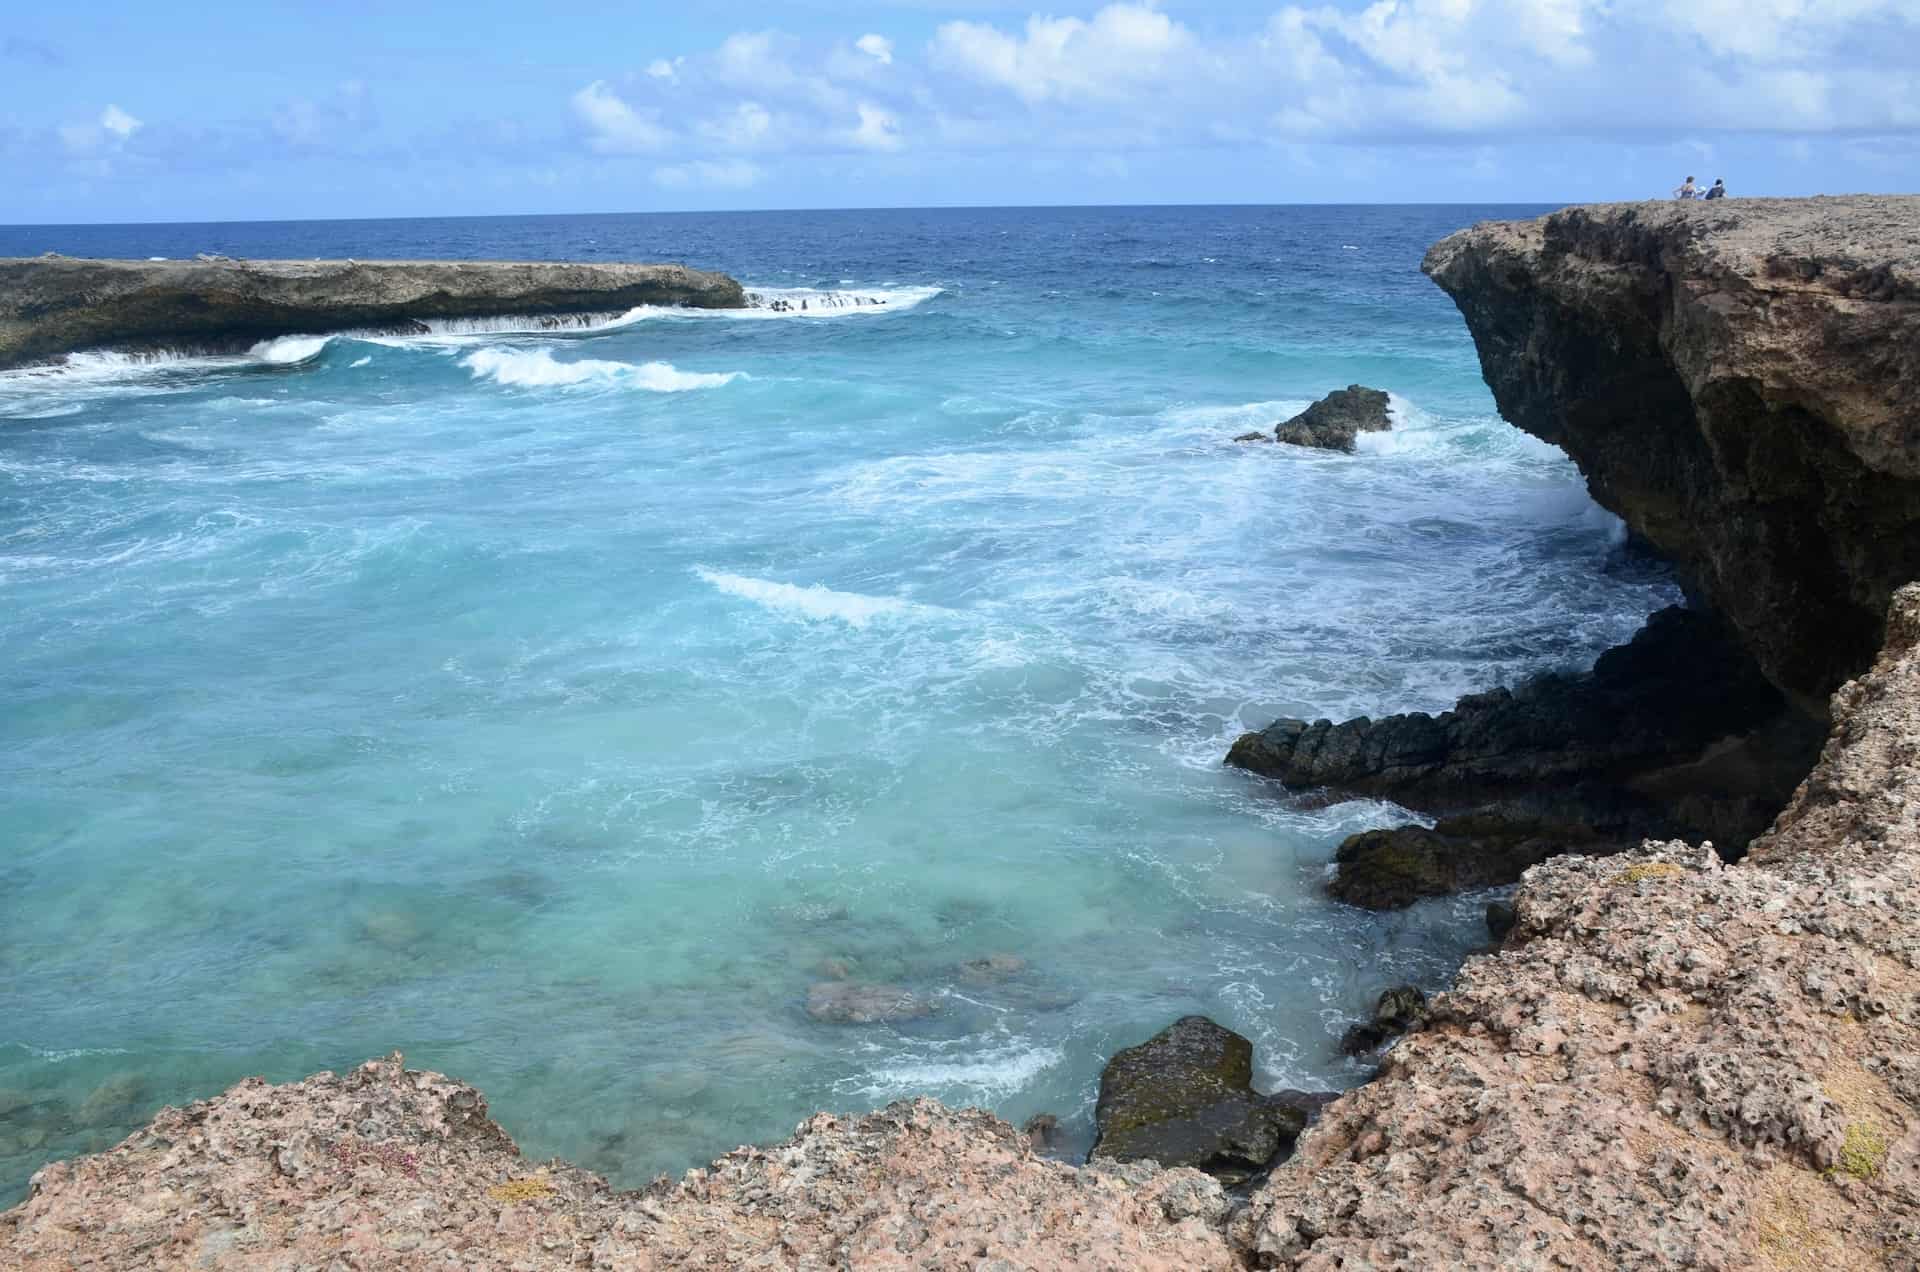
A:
[(56, 305), (1740, 381)]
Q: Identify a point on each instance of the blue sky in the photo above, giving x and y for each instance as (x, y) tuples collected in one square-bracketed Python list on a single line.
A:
[(134, 112)]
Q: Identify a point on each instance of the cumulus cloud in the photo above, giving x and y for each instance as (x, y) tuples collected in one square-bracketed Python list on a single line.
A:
[(877, 129), (708, 174), (615, 127), (111, 130), (1109, 56), (877, 47)]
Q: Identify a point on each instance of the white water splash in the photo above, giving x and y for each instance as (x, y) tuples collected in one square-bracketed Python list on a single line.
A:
[(538, 368)]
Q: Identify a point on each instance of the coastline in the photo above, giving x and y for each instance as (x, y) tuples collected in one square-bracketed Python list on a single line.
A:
[(1671, 1060), (54, 305)]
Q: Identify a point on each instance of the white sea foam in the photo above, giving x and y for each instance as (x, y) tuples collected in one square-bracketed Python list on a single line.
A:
[(815, 604), (816, 302), (288, 350), (360, 361), (538, 368), (988, 1073)]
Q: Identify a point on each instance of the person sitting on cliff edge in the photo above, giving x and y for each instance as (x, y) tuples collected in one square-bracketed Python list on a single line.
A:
[(1719, 190), (1687, 190)]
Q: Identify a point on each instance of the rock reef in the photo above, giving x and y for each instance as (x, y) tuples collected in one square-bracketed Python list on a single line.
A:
[(50, 306)]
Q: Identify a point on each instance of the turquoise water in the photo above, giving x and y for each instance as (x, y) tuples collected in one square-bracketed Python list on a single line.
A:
[(555, 707)]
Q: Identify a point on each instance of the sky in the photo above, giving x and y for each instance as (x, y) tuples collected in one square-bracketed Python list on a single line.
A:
[(248, 111)]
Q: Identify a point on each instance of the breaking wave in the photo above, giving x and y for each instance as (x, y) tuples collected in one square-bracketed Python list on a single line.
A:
[(538, 368), (815, 604)]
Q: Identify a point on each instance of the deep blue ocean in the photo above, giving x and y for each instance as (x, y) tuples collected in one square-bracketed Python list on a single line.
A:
[(560, 708)]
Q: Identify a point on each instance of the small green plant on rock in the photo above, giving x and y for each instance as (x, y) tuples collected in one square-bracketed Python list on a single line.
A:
[(1649, 870), (1862, 1151)]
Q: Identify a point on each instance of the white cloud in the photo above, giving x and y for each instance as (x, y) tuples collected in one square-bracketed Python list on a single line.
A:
[(661, 69), (708, 174), (617, 128), (878, 129), (877, 47), (1121, 48), (747, 126), (118, 122)]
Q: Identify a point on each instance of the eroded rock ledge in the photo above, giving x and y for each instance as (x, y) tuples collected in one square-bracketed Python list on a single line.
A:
[(51, 306), (1740, 381)]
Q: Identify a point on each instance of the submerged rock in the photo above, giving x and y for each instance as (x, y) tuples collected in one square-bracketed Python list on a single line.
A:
[(993, 967), (862, 1003), (1185, 1097), (1336, 420)]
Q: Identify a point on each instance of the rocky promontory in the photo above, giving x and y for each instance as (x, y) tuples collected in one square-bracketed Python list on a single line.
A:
[(55, 305), (1740, 381)]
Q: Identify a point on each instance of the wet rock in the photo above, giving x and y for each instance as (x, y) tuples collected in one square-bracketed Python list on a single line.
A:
[(861, 1003), (1042, 1131), (1399, 1009), (1253, 437), (1185, 1097), (1337, 419), (1500, 919), (993, 967), (1392, 868)]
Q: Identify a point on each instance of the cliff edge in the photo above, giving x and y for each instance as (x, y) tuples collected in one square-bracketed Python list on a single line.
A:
[(1740, 381), (56, 305)]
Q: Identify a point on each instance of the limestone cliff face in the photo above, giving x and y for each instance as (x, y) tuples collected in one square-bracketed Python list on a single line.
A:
[(55, 305), (1740, 381)]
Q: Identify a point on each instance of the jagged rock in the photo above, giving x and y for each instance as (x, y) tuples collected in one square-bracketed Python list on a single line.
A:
[(1399, 1009), (1738, 380), (1253, 437), (1185, 1097), (215, 304), (1500, 919), (1337, 419), (1392, 868), (848, 1002), (1042, 1131)]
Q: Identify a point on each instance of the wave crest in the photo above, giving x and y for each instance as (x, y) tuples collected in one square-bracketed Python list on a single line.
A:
[(538, 368), (815, 604)]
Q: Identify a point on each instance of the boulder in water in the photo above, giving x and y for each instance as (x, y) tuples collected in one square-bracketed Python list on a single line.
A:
[(1401, 1008), (861, 1003), (1337, 419), (1185, 1097)]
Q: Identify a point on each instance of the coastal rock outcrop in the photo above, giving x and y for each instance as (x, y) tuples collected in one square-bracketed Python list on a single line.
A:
[(54, 306), (1185, 1097), (1336, 420), (1740, 381), (1673, 733)]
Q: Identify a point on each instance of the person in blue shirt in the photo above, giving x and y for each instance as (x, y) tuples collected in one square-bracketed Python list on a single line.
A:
[(1719, 190)]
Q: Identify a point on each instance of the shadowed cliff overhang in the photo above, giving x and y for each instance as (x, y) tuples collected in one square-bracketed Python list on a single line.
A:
[(1737, 380)]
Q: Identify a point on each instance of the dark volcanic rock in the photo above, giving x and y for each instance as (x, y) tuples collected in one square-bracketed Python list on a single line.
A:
[(1740, 381), (1335, 420), (1680, 684), (1185, 1097), (1500, 919), (50, 307), (1399, 1009), (1482, 848)]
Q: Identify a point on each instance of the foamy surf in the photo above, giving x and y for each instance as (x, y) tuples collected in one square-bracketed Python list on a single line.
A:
[(987, 1073), (815, 604), (538, 368), (289, 350)]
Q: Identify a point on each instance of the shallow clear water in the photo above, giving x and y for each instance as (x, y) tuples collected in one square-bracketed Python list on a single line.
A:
[(554, 706)]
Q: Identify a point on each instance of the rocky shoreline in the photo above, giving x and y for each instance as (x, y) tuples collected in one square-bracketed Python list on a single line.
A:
[(55, 305), (1671, 1060)]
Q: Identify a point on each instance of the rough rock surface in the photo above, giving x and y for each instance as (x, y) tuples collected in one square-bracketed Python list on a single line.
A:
[(1185, 1097), (53, 306), (860, 1003), (1336, 420), (389, 1168), (1399, 1009), (1672, 1062), (1739, 380)]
